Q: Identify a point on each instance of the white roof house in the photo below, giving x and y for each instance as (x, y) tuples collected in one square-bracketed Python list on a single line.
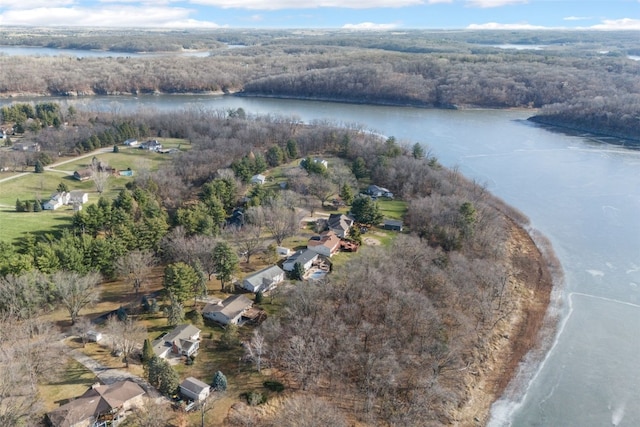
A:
[(258, 179), (229, 311), (263, 280), (195, 389), (305, 257)]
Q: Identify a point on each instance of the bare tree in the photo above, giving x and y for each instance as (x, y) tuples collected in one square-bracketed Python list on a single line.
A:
[(75, 291), (248, 239), (81, 328), (127, 335), (299, 411), (281, 221), (255, 349), (135, 267), (152, 413), (322, 188), (100, 175)]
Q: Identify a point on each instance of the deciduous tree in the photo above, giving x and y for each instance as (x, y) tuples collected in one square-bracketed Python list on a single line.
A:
[(75, 291)]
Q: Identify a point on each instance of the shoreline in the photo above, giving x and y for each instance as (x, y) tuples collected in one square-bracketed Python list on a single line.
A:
[(499, 362)]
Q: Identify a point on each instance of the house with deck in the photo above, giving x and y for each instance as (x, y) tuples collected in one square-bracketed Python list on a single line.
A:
[(228, 311), (305, 257), (327, 243), (340, 224), (100, 406)]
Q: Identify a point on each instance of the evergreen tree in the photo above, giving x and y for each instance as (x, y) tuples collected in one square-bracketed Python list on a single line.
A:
[(226, 262), (162, 376), (179, 280), (417, 151), (292, 149), (359, 168), (219, 382), (147, 351), (38, 167), (365, 211), (19, 206), (298, 271), (62, 188), (116, 149), (346, 194), (229, 338)]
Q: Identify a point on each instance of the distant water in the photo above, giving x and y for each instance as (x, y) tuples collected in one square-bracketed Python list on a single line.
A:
[(80, 53), (520, 46), (634, 57)]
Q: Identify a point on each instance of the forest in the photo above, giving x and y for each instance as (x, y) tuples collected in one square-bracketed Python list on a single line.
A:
[(395, 336), (583, 80)]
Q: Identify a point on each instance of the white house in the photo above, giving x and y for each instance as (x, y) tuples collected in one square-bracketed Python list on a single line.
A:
[(258, 179), (57, 200), (183, 340), (132, 142), (263, 280), (78, 196), (229, 311), (305, 257), (151, 145), (195, 389), (375, 191)]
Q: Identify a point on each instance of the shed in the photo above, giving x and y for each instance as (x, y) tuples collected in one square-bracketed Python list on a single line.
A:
[(393, 224)]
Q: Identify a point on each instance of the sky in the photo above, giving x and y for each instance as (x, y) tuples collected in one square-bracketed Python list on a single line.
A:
[(348, 14)]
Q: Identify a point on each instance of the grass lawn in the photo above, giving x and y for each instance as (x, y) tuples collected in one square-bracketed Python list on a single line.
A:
[(392, 209), (75, 380), (14, 225)]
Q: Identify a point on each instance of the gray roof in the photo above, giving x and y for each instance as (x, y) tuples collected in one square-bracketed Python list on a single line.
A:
[(194, 385), (230, 307), (302, 256), (339, 221), (257, 279)]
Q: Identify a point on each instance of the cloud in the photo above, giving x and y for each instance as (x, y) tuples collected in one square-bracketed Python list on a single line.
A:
[(493, 3), (497, 26), (33, 4), (122, 16), (369, 26), (313, 4), (618, 24), (577, 18)]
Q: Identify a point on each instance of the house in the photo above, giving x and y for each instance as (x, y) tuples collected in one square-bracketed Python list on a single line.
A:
[(282, 251), (25, 146), (229, 311), (340, 224), (83, 174), (78, 197), (263, 280), (305, 257), (94, 336), (151, 145), (258, 179), (132, 142), (375, 191), (194, 389), (181, 341), (323, 162), (57, 200), (327, 243), (393, 224), (101, 405)]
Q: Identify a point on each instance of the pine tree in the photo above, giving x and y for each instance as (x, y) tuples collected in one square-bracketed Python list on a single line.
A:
[(346, 194), (219, 381), (38, 167), (147, 352)]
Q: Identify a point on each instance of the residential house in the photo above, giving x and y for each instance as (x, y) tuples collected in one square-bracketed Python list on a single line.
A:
[(229, 311), (57, 200), (183, 340), (327, 243), (193, 388), (393, 224), (305, 257), (78, 197), (282, 251), (25, 146), (132, 142), (340, 224), (375, 191), (263, 280), (83, 174), (151, 145), (101, 405), (258, 179)]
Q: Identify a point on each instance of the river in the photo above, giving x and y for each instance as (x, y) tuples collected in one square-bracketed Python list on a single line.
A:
[(583, 195)]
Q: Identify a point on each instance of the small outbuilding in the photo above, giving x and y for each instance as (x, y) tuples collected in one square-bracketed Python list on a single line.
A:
[(393, 224)]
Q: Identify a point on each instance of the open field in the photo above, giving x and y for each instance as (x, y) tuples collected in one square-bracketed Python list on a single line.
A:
[(40, 186)]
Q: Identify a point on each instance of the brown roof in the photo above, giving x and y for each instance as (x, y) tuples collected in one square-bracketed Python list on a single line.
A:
[(95, 401), (328, 239)]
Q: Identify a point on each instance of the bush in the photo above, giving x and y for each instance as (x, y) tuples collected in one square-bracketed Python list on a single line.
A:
[(273, 385), (254, 398)]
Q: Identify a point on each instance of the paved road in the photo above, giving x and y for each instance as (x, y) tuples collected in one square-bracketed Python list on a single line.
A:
[(55, 165), (110, 375)]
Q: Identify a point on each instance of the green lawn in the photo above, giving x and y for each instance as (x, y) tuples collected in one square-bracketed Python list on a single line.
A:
[(392, 209)]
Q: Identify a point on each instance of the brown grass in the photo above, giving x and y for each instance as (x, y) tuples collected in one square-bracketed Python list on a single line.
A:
[(76, 380)]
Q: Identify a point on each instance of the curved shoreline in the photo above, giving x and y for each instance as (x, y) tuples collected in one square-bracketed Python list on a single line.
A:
[(535, 271)]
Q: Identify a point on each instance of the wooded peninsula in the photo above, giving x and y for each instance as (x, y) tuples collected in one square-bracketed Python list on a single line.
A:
[(585, 80)]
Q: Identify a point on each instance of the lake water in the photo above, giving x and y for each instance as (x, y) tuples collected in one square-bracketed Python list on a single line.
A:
[(78, 53), (583, 195)]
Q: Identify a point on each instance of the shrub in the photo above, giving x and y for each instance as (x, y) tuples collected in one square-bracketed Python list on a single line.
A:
[(273, 385)]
